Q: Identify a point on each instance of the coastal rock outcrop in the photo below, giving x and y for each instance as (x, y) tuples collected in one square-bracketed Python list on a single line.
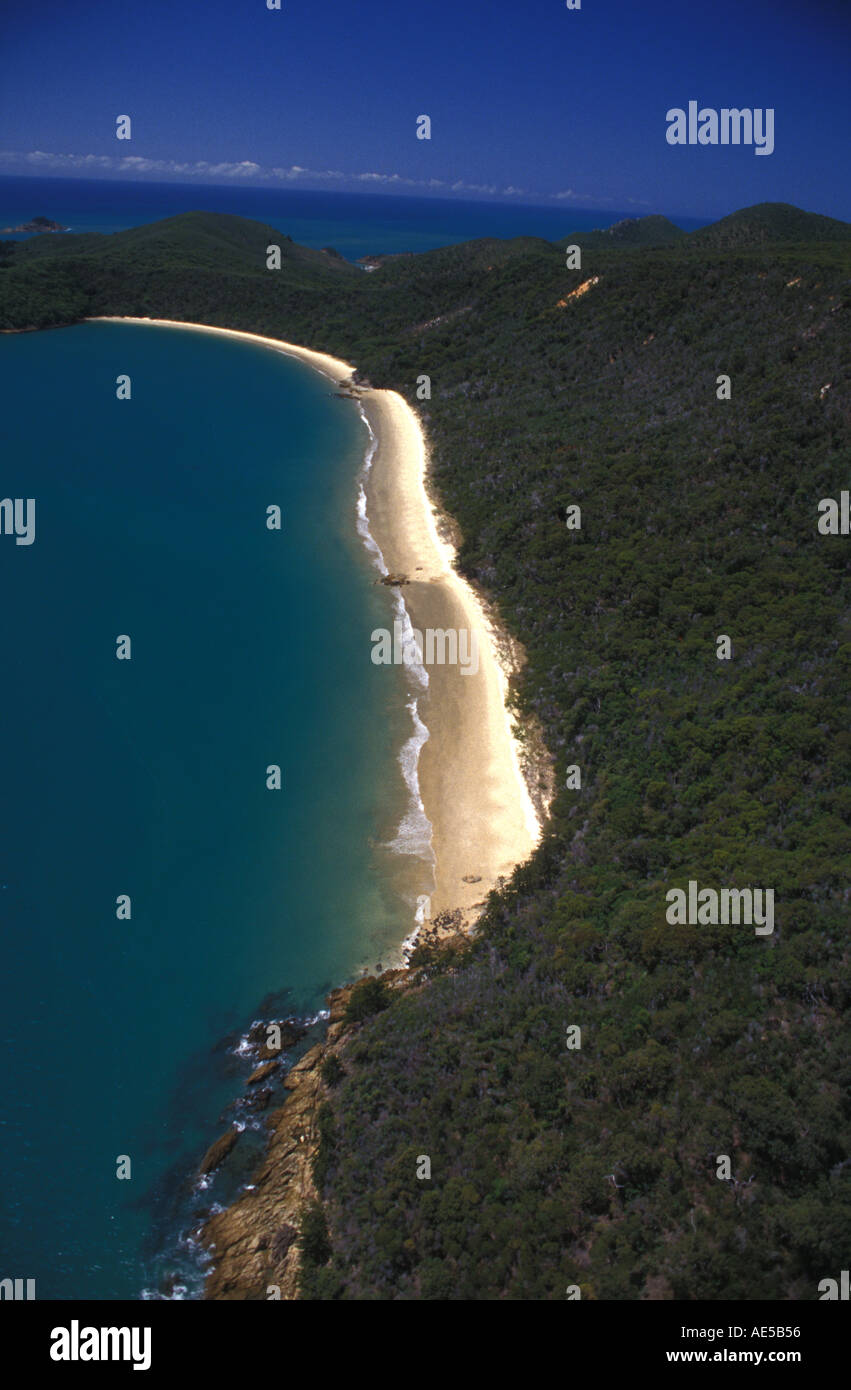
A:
[(254, 1241), (260, 1073), (218, 1152), (290, 1031)]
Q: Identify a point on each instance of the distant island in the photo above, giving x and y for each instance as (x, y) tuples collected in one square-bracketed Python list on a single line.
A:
[(38, 224)]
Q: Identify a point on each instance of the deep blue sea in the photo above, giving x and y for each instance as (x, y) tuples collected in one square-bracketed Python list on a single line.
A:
[(147, 777), (355, 224)]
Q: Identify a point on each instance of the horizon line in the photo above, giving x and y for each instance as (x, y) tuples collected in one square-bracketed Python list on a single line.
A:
[(539, 201), (248, 174)]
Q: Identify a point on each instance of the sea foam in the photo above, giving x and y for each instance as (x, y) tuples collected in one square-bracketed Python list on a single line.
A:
[(414, 834)]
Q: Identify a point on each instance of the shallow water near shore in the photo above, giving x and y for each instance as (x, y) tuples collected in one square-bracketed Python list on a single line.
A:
[(147, 777)]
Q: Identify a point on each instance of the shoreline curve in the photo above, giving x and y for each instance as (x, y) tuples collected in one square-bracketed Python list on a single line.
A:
[(471, 769)]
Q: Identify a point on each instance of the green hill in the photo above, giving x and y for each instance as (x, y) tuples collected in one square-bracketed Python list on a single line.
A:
[(771, 222), (205, 264), (632, 231), (218, 240)]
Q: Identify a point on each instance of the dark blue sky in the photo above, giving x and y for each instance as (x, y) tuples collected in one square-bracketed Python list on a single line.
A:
[(525, 96)]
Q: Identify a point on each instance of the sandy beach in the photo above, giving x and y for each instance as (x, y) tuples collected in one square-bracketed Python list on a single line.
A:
[(483, 818), (472, 787)]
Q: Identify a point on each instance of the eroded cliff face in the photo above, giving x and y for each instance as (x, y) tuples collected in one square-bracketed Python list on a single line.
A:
[(254, 1242)]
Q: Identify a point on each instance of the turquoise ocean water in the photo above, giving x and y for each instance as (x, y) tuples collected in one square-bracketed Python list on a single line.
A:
[(147, 777)]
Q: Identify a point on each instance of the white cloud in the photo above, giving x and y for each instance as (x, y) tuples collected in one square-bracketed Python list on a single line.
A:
[(572, 197), (248, 169)]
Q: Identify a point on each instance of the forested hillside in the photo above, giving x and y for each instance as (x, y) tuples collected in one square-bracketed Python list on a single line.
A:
[(597, 1166)]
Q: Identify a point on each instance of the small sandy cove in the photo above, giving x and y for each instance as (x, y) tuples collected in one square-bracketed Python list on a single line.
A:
[(473, 790)]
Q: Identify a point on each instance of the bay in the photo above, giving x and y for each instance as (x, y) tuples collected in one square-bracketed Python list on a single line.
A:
[(147, 777)]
